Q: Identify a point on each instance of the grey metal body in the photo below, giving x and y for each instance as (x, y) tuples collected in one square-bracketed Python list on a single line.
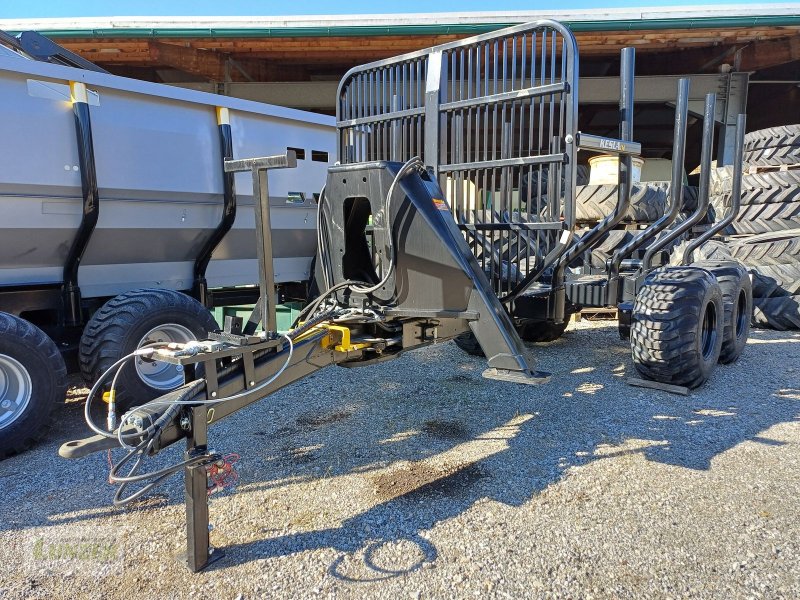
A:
[(429, 270), (159, 178)]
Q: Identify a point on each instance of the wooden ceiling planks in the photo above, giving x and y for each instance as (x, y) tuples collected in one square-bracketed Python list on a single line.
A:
[(763, 46)]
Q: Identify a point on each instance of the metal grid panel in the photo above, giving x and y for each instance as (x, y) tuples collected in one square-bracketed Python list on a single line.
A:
[(495, 117)]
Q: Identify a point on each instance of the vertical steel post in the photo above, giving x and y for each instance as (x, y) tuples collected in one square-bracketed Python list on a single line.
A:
[(702, 196), (734, 104), (228, 208), (198, 551), (738, 154), (705, 167), (396, 143), (433, 83), (571, 77), (736, 192), (91, 204), (676, 191), (626, 90), (626, 95), (266, 268)]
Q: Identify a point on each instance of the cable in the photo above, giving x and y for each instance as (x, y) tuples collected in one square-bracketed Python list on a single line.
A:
[(150, 435), (144, 351), (312, 307), (408, 166), (320, 241), (156, 477), (260, 386)]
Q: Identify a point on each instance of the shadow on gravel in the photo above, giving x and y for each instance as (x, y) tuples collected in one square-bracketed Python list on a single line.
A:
[(429, 438), (586, 413)]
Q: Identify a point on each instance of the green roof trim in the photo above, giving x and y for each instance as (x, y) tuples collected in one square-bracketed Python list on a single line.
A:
[(375, 30)]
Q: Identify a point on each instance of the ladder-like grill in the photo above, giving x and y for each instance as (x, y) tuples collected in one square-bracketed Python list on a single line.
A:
[(495, 117)]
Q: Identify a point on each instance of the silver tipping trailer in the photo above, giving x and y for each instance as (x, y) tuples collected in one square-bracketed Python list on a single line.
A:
[(114, 202), (159, 179)]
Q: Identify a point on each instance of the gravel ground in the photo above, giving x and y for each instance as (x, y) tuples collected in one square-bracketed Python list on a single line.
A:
[(418, 478)]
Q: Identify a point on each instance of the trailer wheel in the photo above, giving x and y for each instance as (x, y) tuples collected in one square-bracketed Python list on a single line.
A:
[(469, 344), (135, 319), (33, 380), (737, 301), (677, 326), (541, 331)]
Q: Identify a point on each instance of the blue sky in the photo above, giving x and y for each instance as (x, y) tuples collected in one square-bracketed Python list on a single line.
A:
[(95, 8)]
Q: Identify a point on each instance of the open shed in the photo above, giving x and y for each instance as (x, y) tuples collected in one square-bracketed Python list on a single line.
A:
[(749, 56)]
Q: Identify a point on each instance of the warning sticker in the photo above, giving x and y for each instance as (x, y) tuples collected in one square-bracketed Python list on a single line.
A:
[(441, 204)]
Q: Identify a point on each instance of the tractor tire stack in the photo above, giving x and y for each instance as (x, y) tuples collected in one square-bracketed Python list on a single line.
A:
[(765, 236), (649, 202)]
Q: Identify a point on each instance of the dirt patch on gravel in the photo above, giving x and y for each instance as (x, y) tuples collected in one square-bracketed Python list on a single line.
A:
[(445, 430), (419, 480), (314, 420)]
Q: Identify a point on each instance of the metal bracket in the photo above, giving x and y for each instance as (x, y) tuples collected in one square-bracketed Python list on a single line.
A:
[(266, 270), (598, 143)]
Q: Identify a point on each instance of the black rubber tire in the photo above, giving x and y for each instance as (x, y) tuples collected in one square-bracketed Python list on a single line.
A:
[(766, 218), (776, 280), (770, 187), (710, 250), (605, 248), (670, 313), (773, 146), (771, 137), (38, 355), (718, 207), (758, 188), (469, 344), (720, 181), (773, 248), (611, 242), (737, 301), (773, 157), (689, 204), (688, 199), (781, 312), (770, 202), (115, 330), (540, 331), (531, 180), (582, 175), (595, 202)]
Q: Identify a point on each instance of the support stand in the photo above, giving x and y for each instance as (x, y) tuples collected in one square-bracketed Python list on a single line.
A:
[(199, 553)]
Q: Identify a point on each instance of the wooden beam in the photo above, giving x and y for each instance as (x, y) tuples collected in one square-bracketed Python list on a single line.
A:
[(762, 55), (205, 63), (661, 51)]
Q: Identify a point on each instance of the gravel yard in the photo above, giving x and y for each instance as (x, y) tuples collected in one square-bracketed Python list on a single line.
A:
[(417, 478)]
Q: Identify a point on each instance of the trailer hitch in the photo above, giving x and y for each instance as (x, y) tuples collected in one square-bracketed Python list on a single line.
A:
[(431, 289)]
